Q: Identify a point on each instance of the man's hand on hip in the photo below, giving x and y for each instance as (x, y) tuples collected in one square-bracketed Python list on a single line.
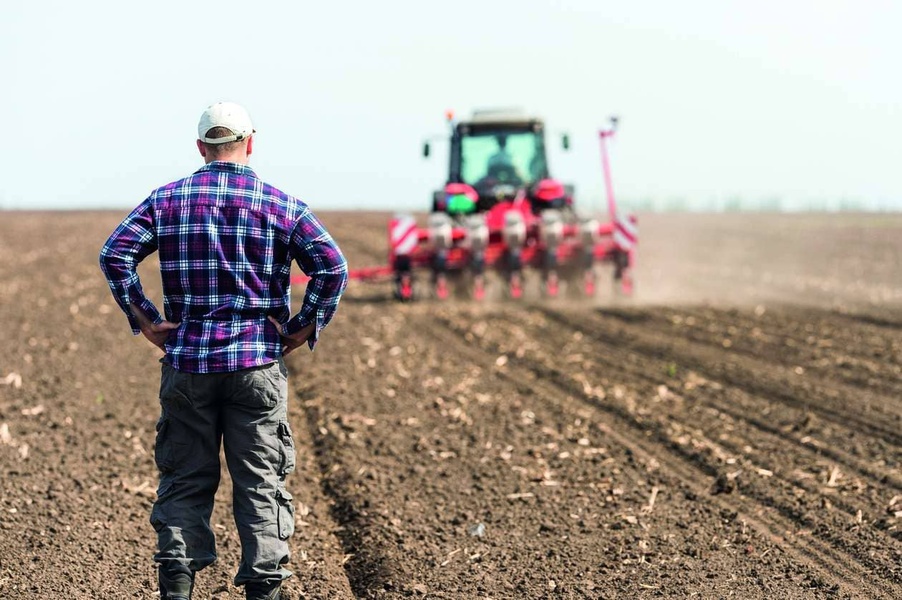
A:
[(157, 333), (295, 340)]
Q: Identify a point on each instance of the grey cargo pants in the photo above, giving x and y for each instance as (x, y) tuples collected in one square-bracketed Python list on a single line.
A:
[(248, 412)]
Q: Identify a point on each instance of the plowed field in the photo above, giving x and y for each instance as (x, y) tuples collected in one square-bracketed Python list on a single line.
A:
[(733, 431)]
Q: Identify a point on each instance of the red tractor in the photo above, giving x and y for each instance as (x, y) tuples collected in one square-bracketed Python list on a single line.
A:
[(502, 211)]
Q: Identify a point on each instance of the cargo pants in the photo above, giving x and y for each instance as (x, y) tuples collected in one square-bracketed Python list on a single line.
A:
[(247, 411)]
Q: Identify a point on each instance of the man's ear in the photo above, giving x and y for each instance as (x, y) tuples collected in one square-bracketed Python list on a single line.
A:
[(250, 145), (202, 148)]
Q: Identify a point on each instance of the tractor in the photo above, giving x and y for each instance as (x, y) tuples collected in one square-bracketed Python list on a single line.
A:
[(501, 211)]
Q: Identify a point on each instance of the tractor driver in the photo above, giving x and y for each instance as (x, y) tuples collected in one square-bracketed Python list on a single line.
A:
[(502, 156), (501, 164)]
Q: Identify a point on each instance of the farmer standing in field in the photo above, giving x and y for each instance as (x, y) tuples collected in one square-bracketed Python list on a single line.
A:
[(226, 241)]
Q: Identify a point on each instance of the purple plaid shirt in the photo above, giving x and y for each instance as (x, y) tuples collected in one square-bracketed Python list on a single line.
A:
[(226, 241)]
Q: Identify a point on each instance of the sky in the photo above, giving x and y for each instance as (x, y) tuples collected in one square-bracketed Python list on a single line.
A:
[(796, 100)]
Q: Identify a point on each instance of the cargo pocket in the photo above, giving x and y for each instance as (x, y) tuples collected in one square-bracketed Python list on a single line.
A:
[(175, 389), (287, 450), (162, 449), (286, 514), (259, 387)]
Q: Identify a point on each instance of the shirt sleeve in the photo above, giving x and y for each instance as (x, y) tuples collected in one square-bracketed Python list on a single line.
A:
[(321, 259), (128, 245)]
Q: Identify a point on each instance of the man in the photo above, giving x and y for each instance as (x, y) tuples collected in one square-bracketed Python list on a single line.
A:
[(226, 241), (500, 165)]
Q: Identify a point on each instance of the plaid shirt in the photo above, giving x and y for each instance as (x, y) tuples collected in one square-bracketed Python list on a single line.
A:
[(226, 241)]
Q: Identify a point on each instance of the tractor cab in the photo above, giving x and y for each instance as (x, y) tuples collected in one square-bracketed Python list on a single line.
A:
[(498, 156)]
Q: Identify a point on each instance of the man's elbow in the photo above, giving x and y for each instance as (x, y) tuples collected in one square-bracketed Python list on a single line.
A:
[(343, 269), (339, 265), (104, 259), (111, 263)]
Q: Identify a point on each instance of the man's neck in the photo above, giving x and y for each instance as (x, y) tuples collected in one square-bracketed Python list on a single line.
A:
[(241, 159)]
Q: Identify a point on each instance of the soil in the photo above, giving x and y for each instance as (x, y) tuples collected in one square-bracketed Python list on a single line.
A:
[(735, 430)]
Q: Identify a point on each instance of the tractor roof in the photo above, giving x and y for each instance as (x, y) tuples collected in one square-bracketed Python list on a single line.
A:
[(501, 117)]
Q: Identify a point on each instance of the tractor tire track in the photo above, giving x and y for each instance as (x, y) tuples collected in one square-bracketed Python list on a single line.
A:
[(795, 432), (755, 376), (618, 359), (786, 517), (369, 569), (682, 473), (881, 483), (370, 563), (821, 342)]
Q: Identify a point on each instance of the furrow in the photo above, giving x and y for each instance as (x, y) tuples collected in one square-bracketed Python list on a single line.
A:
[(752, 375), (685, 463), (369, 569), (819, 344), (613, 356), (754, 439), (607, 353)]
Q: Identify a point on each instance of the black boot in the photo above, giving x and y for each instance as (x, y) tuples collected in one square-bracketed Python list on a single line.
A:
[(261, 590), (175, 586)]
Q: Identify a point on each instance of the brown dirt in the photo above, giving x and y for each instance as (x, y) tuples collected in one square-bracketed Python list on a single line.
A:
[(734, 431)]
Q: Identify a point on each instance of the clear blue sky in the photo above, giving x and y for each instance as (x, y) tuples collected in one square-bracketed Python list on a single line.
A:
[(799, 99)]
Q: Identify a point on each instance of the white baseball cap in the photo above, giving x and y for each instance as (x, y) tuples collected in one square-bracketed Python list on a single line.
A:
[(225, 114)]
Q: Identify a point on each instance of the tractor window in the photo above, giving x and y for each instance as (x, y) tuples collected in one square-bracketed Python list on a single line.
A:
[(517, 158)]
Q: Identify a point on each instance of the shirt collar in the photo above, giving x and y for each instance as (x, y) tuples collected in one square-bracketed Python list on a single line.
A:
[(222, 166)]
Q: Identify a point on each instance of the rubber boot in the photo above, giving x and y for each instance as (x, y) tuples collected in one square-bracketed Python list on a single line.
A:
[(176, 586), (256, 590)]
